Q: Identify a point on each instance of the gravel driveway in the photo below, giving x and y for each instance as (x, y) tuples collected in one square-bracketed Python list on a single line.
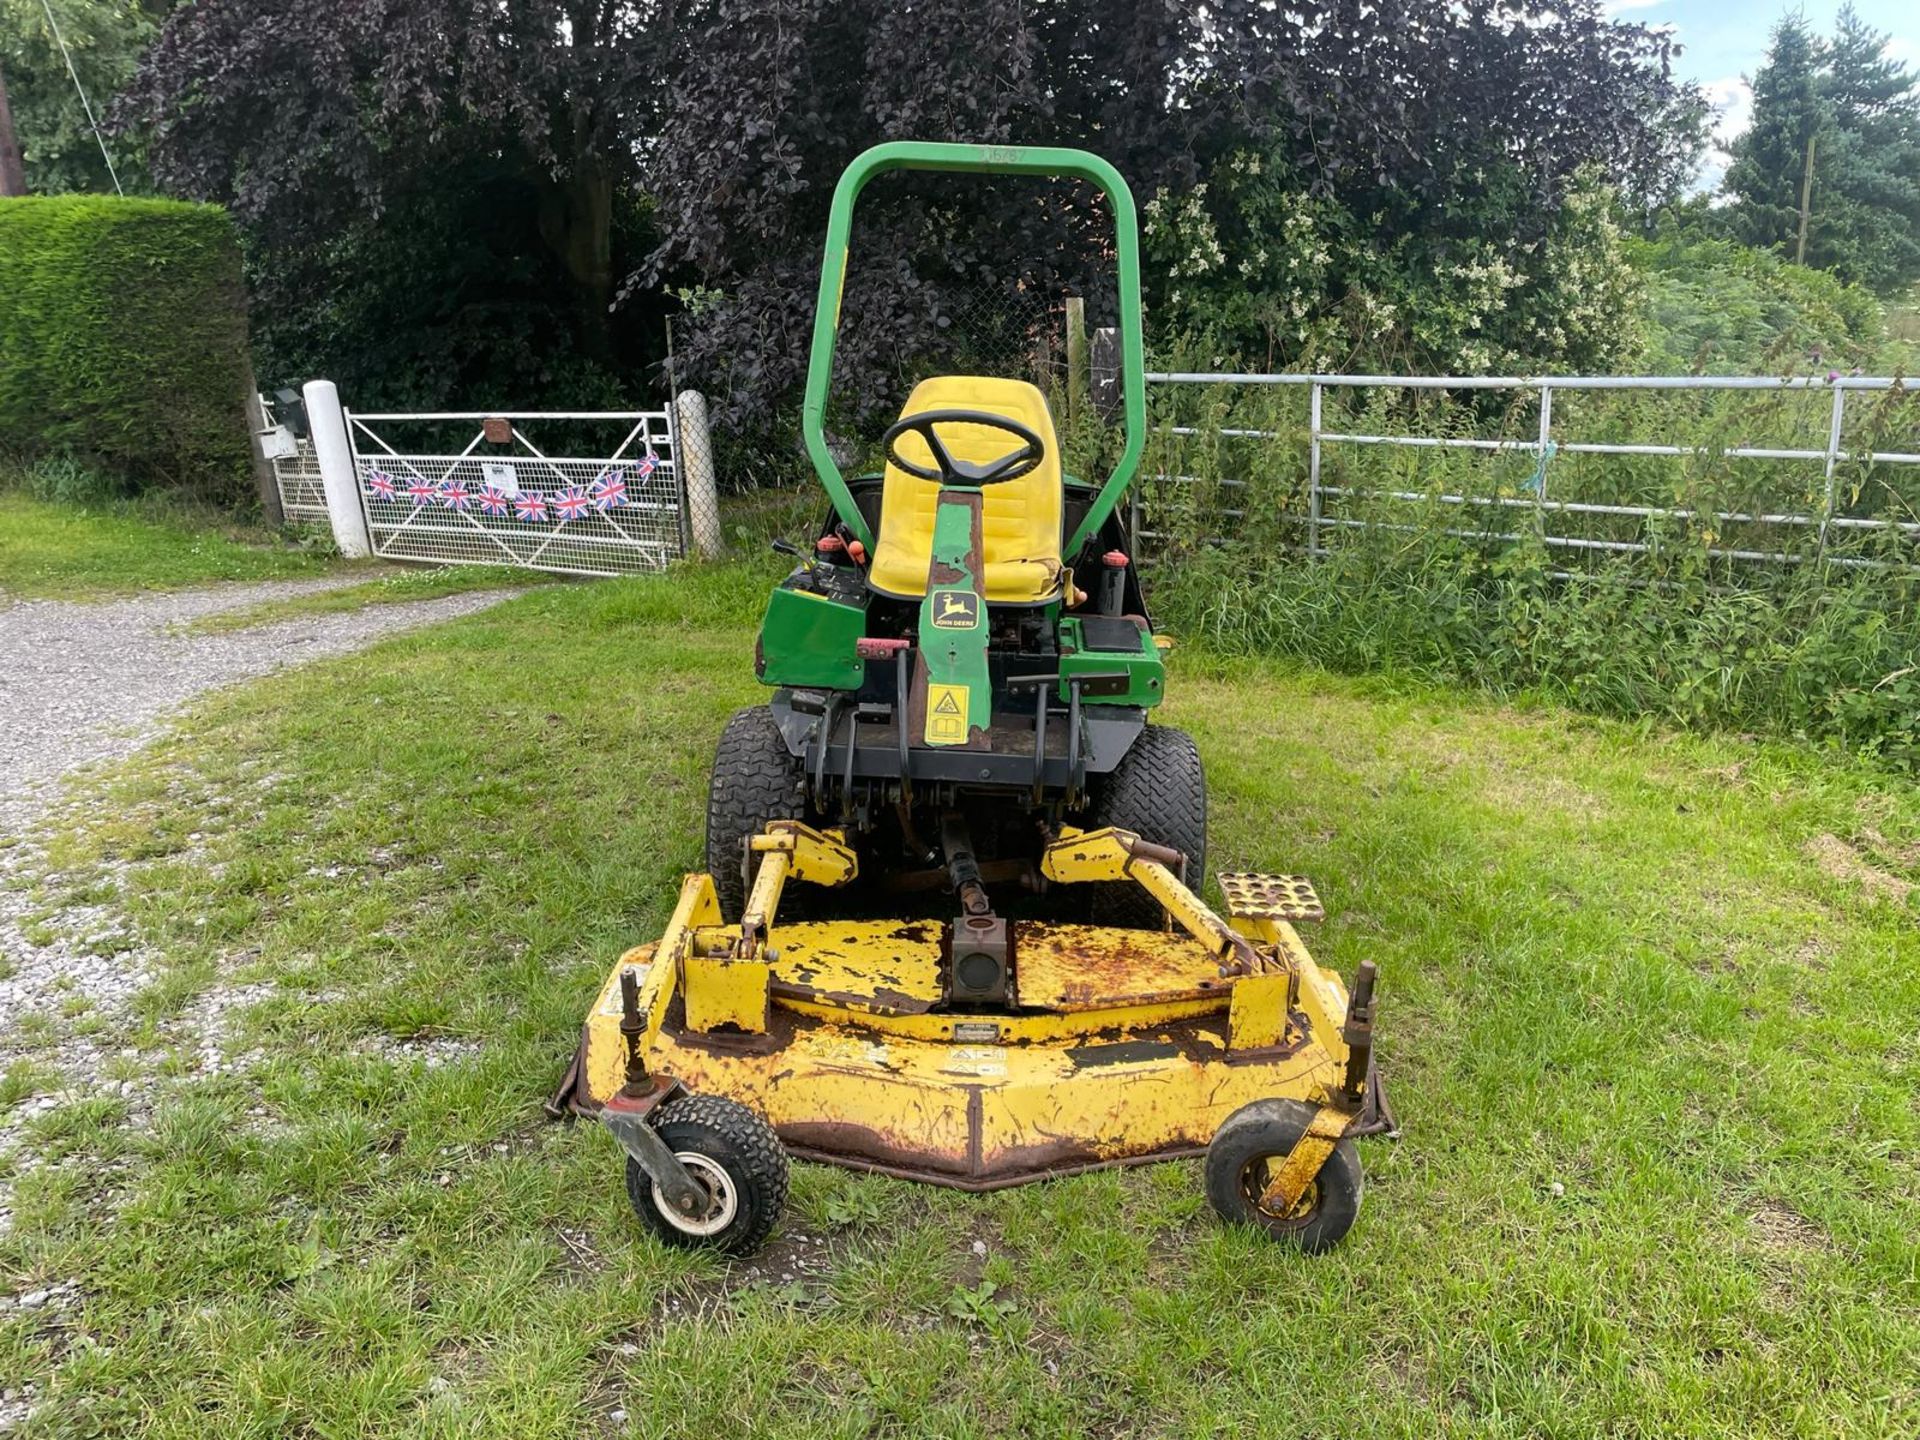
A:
[(82, 683)]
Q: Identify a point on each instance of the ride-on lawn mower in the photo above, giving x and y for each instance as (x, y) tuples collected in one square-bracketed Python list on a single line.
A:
[(954, 713)]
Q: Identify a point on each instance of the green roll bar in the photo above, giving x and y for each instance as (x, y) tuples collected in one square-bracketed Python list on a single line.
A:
[(980, 160)]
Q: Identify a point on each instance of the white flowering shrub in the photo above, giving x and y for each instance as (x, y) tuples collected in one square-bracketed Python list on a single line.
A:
[(1478, 282)]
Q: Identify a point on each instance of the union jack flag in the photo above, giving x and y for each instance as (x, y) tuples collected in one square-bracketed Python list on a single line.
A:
[(453, 495), (647, 464), (530, 505), (422, 491), (495, 501), (571, 503), (380, 485), (610, 490)]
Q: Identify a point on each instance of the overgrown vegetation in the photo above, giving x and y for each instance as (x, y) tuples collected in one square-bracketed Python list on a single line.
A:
[(1716, 307), (1442, 563), (1646, 1009), (1491, 283), (123, 339)]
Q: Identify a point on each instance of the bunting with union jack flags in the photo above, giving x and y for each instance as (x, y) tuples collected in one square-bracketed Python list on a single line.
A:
[(495, 501), (610, 489), (530, 505), (571, 503), (380, 485), (422, 491), (454, 495)]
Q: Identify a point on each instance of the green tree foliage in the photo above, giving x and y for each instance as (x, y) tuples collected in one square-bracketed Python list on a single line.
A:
[(123, 337), (1860, 110), (1714, 306), (105, 38), (436, 195)]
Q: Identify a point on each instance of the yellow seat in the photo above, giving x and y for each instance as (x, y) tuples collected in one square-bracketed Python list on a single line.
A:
[(1020, 519)]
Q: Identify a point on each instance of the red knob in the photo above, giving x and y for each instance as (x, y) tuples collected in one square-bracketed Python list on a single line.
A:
[(1114, 559)]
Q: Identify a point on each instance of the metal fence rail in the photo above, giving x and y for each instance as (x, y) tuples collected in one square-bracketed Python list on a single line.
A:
[(1829, 453), (501, 499)]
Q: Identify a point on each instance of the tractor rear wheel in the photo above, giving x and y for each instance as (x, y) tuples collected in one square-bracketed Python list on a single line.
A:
[(754, 780), (1159, 792)]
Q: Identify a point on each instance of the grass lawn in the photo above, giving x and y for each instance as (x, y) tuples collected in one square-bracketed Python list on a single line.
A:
[(72, 552), (396, 586), (1650, 1011)]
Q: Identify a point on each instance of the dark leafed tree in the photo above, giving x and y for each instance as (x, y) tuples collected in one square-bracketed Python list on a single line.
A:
[(1391, 107), (492, 127)]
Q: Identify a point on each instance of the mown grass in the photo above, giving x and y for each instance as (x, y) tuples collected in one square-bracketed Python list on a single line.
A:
[(1649, 1006), (400, 587), (56, 550)]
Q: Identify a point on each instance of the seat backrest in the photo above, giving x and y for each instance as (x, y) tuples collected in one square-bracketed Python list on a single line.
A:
[(1020, 519)]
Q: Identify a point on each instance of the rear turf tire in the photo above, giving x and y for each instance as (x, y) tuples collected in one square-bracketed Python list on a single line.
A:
[(754, 780), (1159, 792)]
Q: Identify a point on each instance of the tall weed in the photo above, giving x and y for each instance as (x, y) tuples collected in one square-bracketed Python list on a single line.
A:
[(1440, 563)]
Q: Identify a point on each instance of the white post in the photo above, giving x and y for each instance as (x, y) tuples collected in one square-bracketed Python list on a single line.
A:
[(694, 459), (327, 424), (1834, 426)]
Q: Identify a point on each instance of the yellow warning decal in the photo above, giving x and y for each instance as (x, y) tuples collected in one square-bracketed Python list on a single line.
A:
[(947, 714)]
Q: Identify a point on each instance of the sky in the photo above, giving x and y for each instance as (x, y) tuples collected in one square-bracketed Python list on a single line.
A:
[(1724, 42)]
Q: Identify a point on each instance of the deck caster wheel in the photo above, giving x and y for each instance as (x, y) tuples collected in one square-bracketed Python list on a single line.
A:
[(735, 1157), (1243, 1157)]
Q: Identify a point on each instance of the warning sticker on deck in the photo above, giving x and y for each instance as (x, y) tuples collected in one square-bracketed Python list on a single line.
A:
[(946, 714), (976, 1060)]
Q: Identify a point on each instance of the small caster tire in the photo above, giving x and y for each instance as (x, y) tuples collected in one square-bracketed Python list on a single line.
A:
[(733, 1153), (1241, 1159)]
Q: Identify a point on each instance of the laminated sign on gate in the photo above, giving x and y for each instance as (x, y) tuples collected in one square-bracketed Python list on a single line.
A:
[(502, 475)]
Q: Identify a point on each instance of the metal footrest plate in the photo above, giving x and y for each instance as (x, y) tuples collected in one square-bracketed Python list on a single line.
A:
[(1253, 896)]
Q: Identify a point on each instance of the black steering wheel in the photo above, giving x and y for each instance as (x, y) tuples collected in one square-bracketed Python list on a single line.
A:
[(964, 474)]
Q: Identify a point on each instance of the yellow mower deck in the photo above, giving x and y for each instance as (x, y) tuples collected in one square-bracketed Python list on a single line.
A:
[(1118, 1046)]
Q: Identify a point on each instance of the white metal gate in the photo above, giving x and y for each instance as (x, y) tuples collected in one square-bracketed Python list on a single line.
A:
[(296, 470), (609, 501)]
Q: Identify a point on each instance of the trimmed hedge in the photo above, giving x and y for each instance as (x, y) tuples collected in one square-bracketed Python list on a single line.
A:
[(123, 338)]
